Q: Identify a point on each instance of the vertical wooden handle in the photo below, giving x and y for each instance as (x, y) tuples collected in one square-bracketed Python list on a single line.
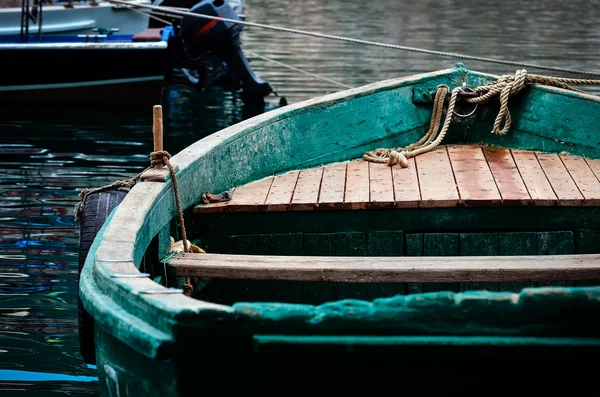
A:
[(157, 130)]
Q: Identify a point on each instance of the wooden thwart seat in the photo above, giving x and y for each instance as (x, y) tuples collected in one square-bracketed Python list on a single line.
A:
[(453, 175), (390, 269)]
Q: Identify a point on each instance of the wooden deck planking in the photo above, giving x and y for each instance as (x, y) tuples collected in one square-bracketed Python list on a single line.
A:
[(537, 184), (563, 185), (356, 195), (584, 178), (436, 181), (445, 177), (406, 185), (333, 186), (306, 193), (250, 197), (506, 175), (282, 189), (381, 186), (594, 165), (473, 177)]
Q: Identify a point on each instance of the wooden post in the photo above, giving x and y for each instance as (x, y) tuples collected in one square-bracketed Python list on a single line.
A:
[(157, 131)]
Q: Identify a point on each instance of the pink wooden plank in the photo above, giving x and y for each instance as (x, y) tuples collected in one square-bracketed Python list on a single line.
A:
[(474, 179), (381, 186), (537, 184), (563, 185), (436, 179), (246, 198), (250, 197), (356, 195), (594, 166), (507, 177), (307, 190), (584, 178), (281, 192), (406, 185), (333, 186)]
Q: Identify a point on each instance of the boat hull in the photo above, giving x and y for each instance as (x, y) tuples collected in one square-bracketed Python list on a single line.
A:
[(124, 372), (83, 75), (142, 318)]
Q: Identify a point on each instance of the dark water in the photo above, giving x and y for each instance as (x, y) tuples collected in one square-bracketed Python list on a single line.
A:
[(44, 162)]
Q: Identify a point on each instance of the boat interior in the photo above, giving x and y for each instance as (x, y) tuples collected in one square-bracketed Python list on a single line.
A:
[(299, 245), (457, 201), (480, 212)]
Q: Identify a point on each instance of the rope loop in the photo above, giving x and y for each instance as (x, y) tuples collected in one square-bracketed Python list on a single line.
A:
[(160, 157), (505, 87)]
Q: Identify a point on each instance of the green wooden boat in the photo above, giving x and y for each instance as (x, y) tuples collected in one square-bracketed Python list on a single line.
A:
[(308, 246)]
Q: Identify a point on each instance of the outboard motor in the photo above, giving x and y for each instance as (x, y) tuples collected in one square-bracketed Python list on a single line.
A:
[(202, 35)]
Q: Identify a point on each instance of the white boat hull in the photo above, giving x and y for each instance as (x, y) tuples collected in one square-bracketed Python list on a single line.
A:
[(82, 18)]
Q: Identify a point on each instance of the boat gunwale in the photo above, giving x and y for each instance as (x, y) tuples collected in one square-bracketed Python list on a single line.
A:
[(145, 197), (109, 45)]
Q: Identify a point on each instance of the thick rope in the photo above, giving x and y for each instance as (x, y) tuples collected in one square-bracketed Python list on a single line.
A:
[(505, 86), (356, 41), (509, 85), (162, 157), (429, 141), (123, 185)]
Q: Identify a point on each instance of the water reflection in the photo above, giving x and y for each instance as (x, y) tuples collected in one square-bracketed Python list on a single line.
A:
[(46, 159)]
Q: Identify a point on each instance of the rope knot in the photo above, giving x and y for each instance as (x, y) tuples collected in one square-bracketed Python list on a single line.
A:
[(160, 157), (188, 287), (397, 158)]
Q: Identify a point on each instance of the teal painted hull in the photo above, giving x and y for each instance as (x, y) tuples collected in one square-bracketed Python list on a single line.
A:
[(154, 341)]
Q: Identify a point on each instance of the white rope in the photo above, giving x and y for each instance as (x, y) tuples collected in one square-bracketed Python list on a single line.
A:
[(285, 65), (357, 41)]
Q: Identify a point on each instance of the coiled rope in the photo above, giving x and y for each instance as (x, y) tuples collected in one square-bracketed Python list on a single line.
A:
[(505, 86), (175, 12)]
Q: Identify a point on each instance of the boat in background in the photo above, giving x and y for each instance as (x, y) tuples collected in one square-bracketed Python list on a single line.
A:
[(117, 71), (73, 17), (97, 71)]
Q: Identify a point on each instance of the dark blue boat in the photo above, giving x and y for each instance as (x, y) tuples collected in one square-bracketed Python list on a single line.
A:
[(108, 70)]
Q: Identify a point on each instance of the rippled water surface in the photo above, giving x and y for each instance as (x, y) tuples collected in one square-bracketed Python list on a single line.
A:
[(44, 162)]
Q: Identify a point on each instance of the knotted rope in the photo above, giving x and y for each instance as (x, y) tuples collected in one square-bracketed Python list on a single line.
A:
[(123, 185), (162, 157), (506, 86)]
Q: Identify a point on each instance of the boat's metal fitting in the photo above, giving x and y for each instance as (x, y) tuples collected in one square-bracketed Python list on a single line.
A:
[(161, 291), (130, 275), (114, 259)]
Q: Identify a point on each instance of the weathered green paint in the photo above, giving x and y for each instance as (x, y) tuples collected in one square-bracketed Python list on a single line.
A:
[(385, 243), (163, 327), (517, 243), (423, 340), (478, 244), (531, 312), (555, 243), (538, 121), (414, 247), (318, 244), (440, 244), (587, 241), (351, 244), (410, 220)]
